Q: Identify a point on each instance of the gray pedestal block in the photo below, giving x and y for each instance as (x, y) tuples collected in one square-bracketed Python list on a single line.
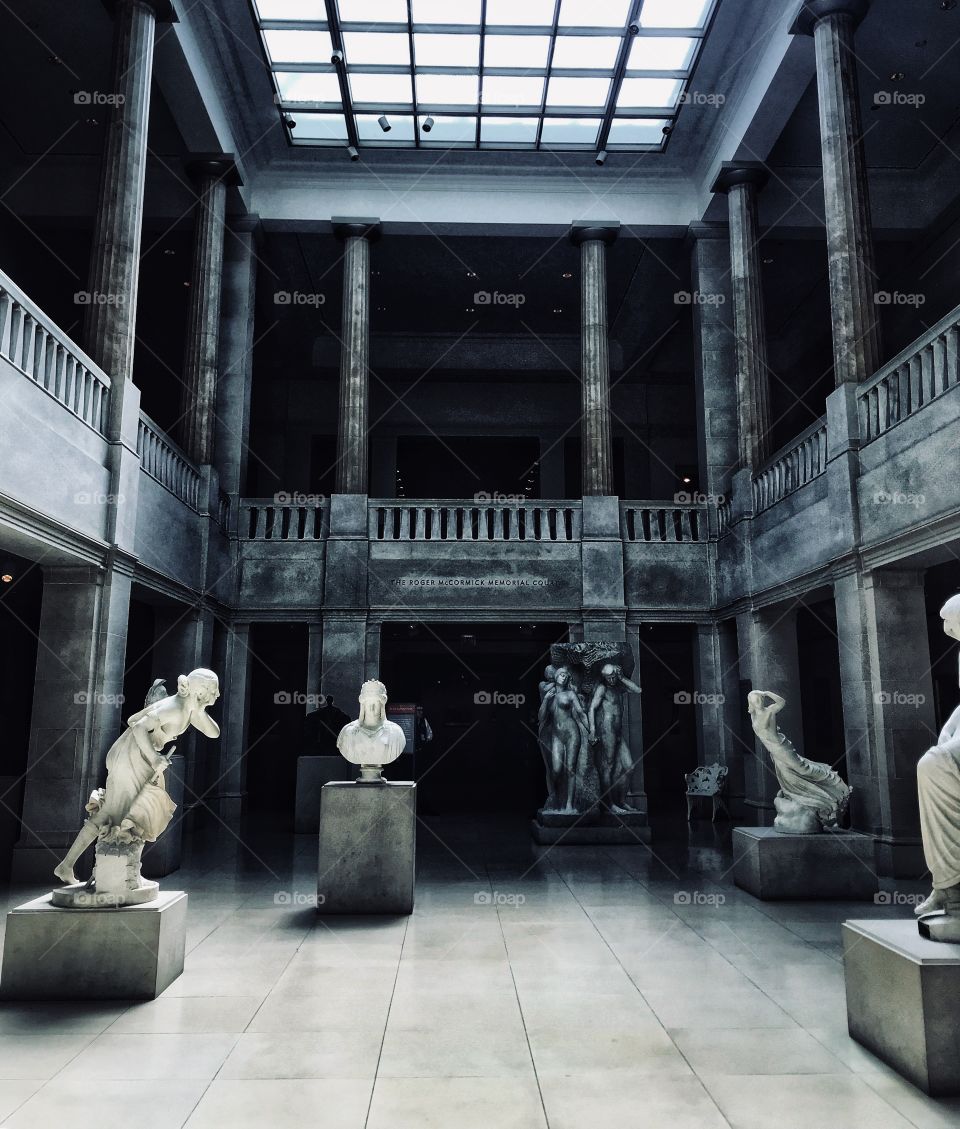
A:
[(902, 998), (131, 953), (163, 856), (834, 864), (591, 828), (367, 847), (312, 774)]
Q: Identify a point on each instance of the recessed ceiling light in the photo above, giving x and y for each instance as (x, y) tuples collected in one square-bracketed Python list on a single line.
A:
[(557, 310), (897, 76), (471, 274), (6, 578), (568, 274)]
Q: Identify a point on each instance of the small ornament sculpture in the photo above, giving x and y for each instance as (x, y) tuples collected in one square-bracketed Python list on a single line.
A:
[(812, 796), (372, 741), (134, 807), (938, 786)]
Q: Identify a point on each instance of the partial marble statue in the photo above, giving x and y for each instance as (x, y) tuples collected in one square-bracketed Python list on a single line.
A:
[(372, 741), (134, 807), (563, 731), (612, 755), (812, 796), (938, 785)]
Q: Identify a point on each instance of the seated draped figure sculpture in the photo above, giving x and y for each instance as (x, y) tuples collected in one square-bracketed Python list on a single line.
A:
[(812, 795), (134, 808), (938, 786), (372, 741)]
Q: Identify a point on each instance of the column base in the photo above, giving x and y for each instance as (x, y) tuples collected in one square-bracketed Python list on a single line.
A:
[(93, 954), (597, 828), (833, 864), (902, 994)]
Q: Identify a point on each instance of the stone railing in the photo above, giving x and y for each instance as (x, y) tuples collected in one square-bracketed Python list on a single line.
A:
[(663, 521), (223, 509), (267, 519), (444, 520), (163, 460), (921, 373), (793, 466), (42, 351), (724, 513)]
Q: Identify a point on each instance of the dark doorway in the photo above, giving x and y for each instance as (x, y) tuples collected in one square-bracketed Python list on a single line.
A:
[(138, 663), (821, 700), (669, 714), (278, 670), (478, 684), (463, 466)]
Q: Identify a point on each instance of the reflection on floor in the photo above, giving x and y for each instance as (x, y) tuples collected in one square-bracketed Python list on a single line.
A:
[(575, 988)]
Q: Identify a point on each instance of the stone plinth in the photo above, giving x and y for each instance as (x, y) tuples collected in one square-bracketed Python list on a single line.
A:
[(625, 828), (132, 953), (833, 864), (312, 774), (902, 997), (368, 835)]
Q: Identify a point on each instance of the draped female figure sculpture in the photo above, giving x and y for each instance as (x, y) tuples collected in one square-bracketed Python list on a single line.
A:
[(812, 795), (563, 728), (134, 807), (938, 786), (612, 754)]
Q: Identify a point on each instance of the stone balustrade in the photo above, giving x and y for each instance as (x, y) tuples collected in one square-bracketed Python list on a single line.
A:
[(448, 520), (45, 354), (793, 466), (658, 522), (267, 519), (163, 460)]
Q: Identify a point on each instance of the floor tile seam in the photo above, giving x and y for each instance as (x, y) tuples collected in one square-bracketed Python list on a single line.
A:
[(386, 1024)]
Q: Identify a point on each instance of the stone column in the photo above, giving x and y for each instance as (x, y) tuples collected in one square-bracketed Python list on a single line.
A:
[(78, 709), (596, 442), (352, 437), (769, 660), (741, 182), (718, 708), (888, 712), (856, 331), (202, 350), (228, 789), (109, 330)]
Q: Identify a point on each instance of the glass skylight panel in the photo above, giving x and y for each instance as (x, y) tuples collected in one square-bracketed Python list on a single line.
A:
[(577, 91), (660, 53), (292, 9), (379, 47), (309, 86), (570, 131), (639, 92), (586, 52), (446, 11), (508, 131), (512, 90), (674, 13), (369, 129), (381, 89), (320, 127), (636, 131), (299, 46), (448, 89), (520, 13), (446, 50), (373, 11), (528, 52), (594, 13), (449, 131)]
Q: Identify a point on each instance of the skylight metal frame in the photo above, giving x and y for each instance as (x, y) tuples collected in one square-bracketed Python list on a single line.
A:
[(348, 107)]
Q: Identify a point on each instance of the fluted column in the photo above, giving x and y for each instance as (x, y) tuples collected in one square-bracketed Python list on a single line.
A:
[(596, 446), (741, 182), (352, 437), (202, 350), (856, 332), (109, 330)]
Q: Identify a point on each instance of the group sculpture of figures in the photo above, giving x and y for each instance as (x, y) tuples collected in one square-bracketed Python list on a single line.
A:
[(812, 796), (582, 729)]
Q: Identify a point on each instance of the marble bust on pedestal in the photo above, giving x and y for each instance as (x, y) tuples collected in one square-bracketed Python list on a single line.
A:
[(372, 741)]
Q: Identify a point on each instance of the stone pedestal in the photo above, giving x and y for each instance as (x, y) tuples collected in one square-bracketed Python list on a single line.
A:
[(902, 995), (312, 774), (834, 864), (591, 828), (132, 953), (368, 835)]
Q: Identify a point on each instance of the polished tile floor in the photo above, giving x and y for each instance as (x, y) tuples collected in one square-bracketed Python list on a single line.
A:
[(572, 987)]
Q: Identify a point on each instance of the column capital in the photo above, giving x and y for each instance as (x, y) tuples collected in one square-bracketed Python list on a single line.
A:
[(218, 166), (604, 230), (701, 229), (812, 11), (362, 227), (733, 173), (163, 10)]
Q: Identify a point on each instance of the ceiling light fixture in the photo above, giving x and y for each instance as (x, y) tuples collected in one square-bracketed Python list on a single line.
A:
[(427, 124), (384, 122), (601, 157), (353, 153)]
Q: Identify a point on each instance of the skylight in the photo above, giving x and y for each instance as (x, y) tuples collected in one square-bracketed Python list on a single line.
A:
[(487, 74)]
